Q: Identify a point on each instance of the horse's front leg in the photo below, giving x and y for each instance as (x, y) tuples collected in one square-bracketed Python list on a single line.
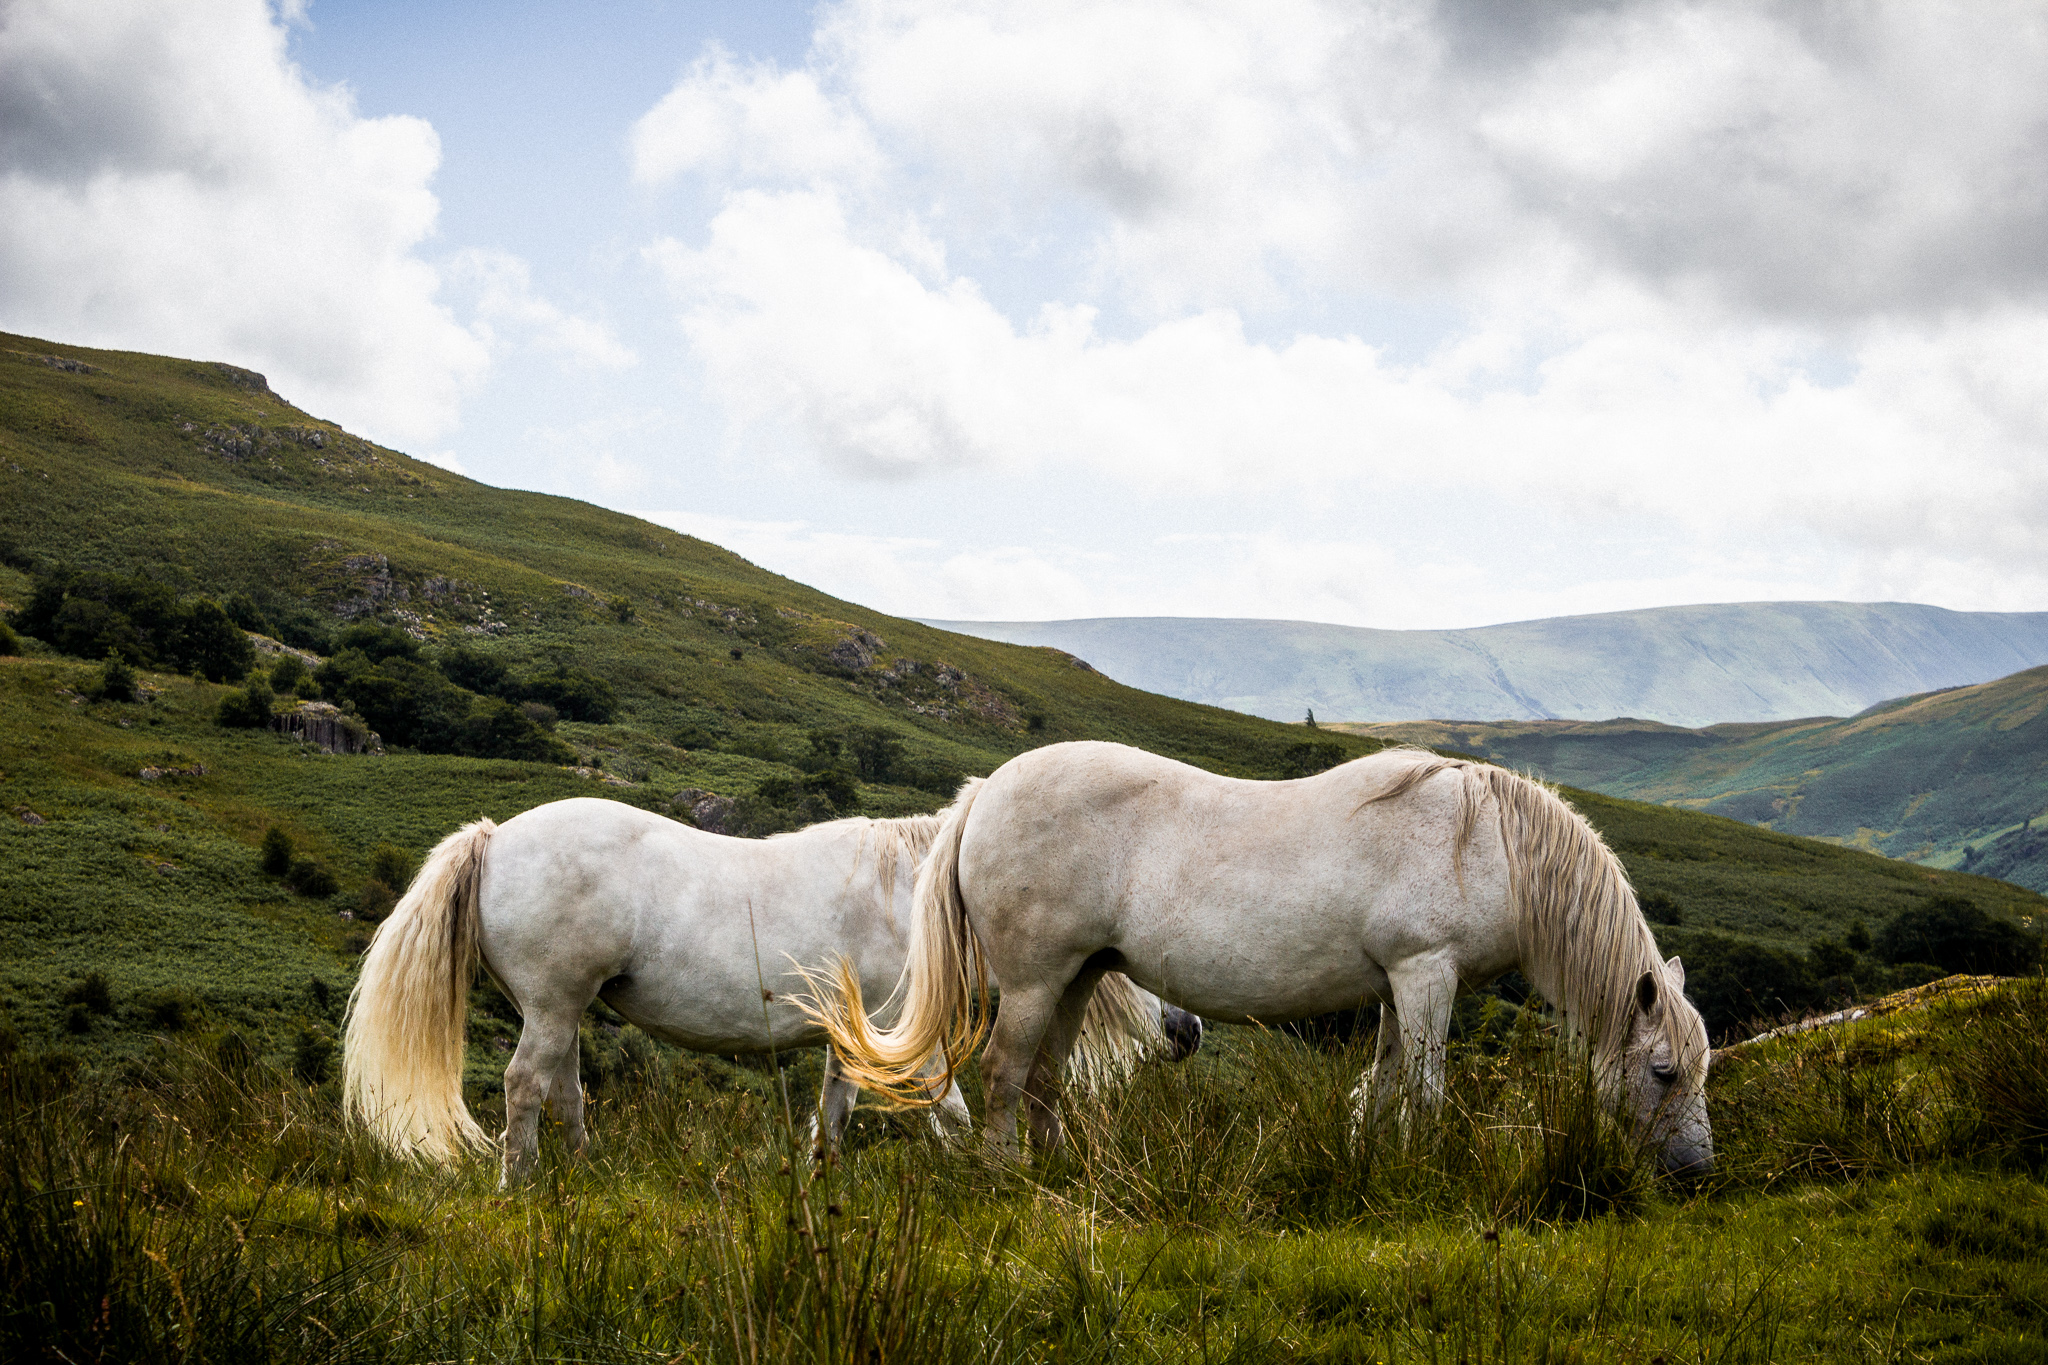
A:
[(949, 1116), (1424, 989), (1381, 1084)]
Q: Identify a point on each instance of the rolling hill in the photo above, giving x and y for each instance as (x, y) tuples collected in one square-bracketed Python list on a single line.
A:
[(1694, 665), (131, 830), (1951, 778)]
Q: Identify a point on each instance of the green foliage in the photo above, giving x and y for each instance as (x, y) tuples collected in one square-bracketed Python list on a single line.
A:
[(1311, 757), (391, 865), (376, 643), (247, 708), (243, 611), (310, 879), (484, 674), (217, 1207), (9, 642), (573, 693), (92, 992), (277, 853), (1955, 934), (92, 615), (116, 683), (289, 674)]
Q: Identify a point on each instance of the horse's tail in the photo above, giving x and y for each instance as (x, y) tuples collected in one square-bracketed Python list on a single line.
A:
[(402, 1057), (943, 980)]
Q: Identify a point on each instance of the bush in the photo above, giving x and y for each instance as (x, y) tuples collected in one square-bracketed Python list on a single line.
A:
[(1954, 933), (1309, 758), (498, 729), (242, 610), (574, 694), (91, 992), (168, 1010), (117, 681), (290, 674), (10, 643), (246, 708), (312, 1054), (1733, 983), (277, 852), (90, 615), (391, 865), (479, 672), (378, 642), (311, 880)]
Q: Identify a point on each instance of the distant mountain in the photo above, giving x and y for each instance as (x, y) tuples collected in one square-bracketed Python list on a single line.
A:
[(1746, 661), (1956, 779)]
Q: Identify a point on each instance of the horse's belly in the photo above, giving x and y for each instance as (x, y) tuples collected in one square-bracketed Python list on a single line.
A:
[(1255, 974)]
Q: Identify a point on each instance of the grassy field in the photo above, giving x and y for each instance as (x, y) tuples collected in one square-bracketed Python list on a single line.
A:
[(1878, 1199)]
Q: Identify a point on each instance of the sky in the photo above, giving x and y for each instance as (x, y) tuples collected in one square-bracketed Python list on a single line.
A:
[(1387, 313)]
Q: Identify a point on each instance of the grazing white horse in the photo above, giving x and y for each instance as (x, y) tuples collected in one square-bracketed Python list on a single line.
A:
[(694, 937), (1399, 878)]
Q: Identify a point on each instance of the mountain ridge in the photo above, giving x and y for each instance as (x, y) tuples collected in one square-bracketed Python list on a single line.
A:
[(1691, 666)]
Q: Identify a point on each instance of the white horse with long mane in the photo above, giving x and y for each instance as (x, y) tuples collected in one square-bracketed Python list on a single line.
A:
[(694, 937), (1400, 878)]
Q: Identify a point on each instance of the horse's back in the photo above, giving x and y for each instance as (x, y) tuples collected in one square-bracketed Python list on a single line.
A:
[(1251, 899)]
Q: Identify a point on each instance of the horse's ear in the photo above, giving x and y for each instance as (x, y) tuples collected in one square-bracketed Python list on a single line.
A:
[(1677, 971), (1646, 992)]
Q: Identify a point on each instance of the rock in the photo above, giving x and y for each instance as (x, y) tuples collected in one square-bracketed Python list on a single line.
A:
[(706, 810), (241, 378), (327, 725), (29, 817), (856, 653), (152, 774)]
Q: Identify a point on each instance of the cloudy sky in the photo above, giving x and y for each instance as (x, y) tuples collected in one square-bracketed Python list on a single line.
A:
[(1391, 314)]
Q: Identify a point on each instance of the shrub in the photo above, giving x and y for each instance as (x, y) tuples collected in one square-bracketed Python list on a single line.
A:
[(242, 610), (91, 992), (10, 643), (391, 865), (621, 609), (498, 729), (1954, 933), (479, 672), (277, 852), (117, 681), (246, 708), (168, 1010), (90, 615), (876, 752), (376, 901), (208, 643), (312, 1053), (290, 674), (378, 642), (311, 880), (575, 695), (540, 713), (1732, 982), (1310, 757)]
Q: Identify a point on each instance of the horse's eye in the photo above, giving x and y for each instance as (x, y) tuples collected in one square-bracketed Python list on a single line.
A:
[(1664, 1071)]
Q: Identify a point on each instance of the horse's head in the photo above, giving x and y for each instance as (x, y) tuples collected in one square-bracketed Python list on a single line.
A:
[(1663, 1072), (1183, 1031)]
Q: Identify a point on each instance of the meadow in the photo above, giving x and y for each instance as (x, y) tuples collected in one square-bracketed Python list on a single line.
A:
[(1878, 1199)]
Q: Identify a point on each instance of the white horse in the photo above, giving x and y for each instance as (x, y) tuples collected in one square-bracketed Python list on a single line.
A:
[(694, 937), (1399, 878)]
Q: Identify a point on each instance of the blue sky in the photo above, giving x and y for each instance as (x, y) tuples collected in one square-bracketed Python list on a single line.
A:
[(1428, 314)]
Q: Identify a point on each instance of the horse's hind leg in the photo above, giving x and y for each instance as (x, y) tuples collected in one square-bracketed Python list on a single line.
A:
[(546, 1055), (1381, 1083), (1021, 1021), (1042, 1089)]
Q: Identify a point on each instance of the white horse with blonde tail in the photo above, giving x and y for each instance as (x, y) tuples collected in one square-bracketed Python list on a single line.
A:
[(1401, 878), (695, 937)]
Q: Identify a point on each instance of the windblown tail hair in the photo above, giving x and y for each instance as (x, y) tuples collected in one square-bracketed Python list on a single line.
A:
[(402, 1056), (1121, 1026), (944, 987)]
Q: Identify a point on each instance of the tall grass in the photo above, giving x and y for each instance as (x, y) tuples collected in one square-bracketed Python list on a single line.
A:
[(1225, 1209)]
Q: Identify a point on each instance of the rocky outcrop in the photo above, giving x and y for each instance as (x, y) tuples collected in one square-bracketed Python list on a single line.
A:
[(706, 810), (327, 725), (856, 653)]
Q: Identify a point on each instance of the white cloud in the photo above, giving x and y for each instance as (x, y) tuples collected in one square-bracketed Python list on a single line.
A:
[(503, 288), (751, 121), (169, 181), (1769, 281)]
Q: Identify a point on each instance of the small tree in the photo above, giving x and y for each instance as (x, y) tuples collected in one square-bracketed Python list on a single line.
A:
[(247, 708), (1311, 722), (289, 674), (117, 681), (277, 852)]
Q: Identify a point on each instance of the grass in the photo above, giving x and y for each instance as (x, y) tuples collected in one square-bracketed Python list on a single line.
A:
[(1223, 1210)]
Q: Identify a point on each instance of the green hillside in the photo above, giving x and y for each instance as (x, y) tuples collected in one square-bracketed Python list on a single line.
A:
[(1950, 779), (133, 900)]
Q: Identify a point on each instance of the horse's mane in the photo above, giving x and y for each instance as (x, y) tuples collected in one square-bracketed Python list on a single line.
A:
[(1583, 940)]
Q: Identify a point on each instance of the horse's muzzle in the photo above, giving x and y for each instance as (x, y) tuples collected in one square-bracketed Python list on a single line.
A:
[(1183, 1031)]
